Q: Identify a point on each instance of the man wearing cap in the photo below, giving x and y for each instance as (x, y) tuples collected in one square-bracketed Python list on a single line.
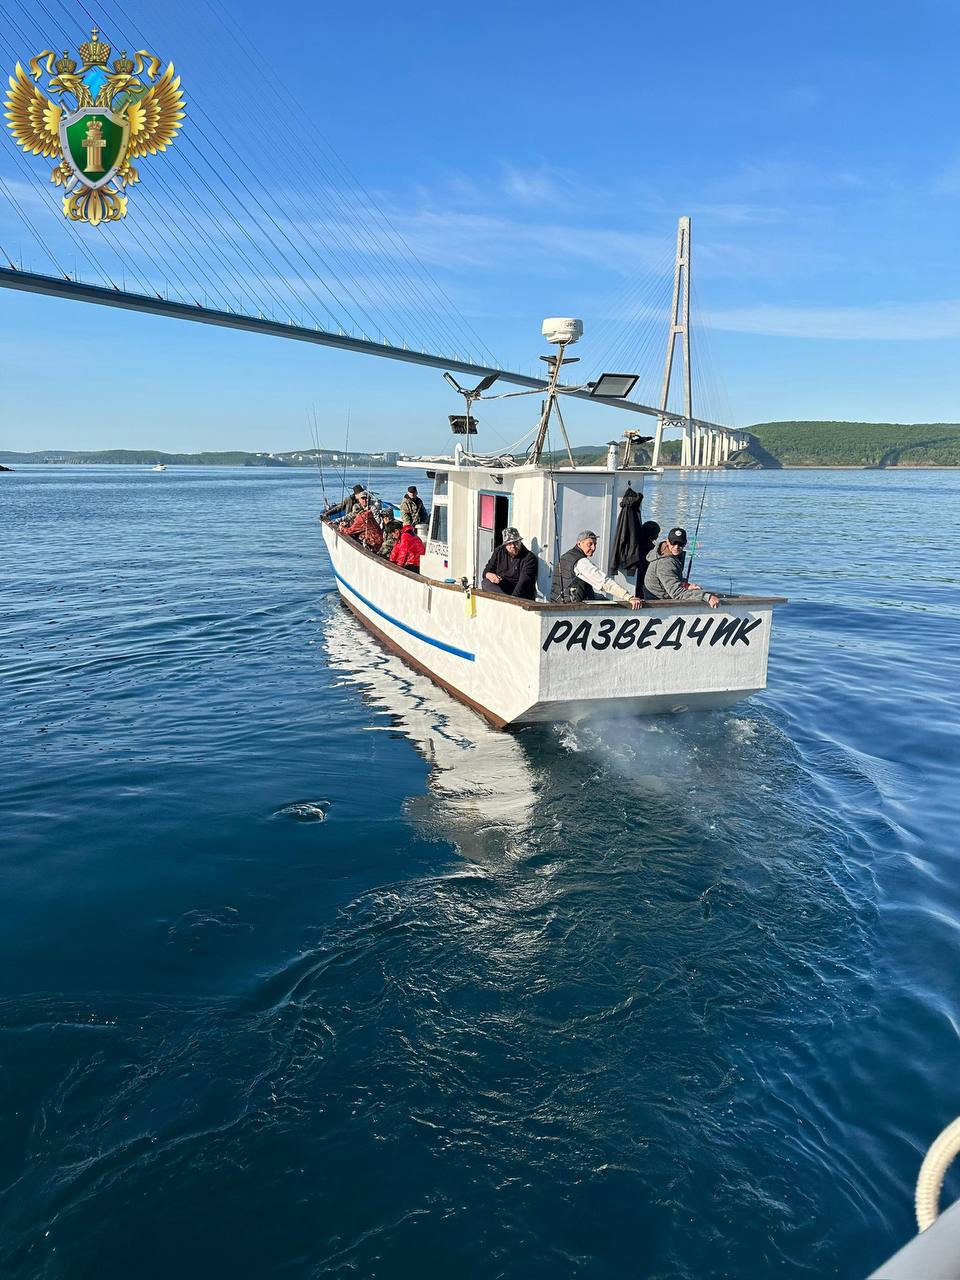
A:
[(512, 569), (412, 510), (352, 504), (664, 578), (577, 578)]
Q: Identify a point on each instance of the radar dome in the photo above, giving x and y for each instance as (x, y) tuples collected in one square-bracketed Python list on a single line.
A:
[(562, 329)]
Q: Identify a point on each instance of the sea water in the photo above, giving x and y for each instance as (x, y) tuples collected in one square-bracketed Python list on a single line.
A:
[(306, 972)]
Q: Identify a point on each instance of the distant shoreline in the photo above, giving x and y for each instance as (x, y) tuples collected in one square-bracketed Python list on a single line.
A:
[(830, 466), (668, 467), (771, 446)]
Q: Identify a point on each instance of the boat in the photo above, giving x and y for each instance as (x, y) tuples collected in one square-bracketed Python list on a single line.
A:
[(519, 662), (161, 466)]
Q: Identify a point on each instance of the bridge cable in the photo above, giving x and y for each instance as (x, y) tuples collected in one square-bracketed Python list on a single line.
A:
[(404, 295), (188, 293), (63, 7), (396, 237), (378, 327), (46, 194), (107, 229), (189, 139), (28, 222), (619, 307)]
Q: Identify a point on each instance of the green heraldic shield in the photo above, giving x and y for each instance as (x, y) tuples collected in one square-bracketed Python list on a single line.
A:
[(108, 116)]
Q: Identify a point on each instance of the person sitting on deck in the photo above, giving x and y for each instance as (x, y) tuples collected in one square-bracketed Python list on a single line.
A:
[(412, 510), (576, 578), (664, 578), (364, 526), (391, 533), (408, 550), (352, 503), (512, 569)]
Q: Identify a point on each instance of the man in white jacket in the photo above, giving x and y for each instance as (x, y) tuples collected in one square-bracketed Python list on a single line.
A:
[(577, 578)]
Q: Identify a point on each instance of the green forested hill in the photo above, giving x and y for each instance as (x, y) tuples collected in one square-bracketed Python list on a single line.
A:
[(860, 444)]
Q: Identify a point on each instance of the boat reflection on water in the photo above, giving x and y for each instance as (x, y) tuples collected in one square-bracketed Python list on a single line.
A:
[(482, 783)]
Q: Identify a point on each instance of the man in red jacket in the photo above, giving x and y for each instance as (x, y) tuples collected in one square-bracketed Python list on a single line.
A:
[(408, 550)]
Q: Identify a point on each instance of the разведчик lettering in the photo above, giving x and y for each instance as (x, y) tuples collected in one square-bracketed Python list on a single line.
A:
[(650, 633)]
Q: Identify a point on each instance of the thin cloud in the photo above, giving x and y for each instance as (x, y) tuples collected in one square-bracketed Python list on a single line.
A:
[(888, 322), (472, 240), (537, 186), (793, 178), (740, 213), (801, 97), (948, 183)]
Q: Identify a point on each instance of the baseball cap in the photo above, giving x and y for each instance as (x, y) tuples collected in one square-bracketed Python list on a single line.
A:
[(677, 536), (510, 535)]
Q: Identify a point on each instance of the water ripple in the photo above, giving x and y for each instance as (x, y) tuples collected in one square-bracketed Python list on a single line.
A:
[(672, 998)]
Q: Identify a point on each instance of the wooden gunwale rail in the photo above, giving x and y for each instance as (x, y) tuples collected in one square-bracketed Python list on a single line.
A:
[(548, 606)]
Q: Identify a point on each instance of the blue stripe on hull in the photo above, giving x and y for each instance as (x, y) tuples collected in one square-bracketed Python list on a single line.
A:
[(437, 644)]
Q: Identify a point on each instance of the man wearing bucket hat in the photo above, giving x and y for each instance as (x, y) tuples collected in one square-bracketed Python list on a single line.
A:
[(664, 578), (512, 569)]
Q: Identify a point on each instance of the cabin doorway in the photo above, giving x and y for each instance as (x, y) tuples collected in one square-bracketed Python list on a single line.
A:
[(493, 516)]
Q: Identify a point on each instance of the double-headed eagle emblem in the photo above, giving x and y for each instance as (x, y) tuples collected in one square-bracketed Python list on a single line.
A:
[(114, 118)]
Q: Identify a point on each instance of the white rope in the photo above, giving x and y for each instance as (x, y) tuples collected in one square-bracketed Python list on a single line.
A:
[(930, 1179)]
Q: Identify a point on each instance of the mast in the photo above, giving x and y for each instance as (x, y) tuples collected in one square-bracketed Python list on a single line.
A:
[(563, 332)]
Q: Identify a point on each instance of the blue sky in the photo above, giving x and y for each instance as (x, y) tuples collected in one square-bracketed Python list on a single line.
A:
[(535, 167)]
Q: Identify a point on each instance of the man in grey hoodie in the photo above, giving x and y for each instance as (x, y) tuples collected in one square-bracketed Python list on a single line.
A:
[(664, 577)]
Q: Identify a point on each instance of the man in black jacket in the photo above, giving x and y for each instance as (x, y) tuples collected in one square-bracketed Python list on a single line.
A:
[(512, 569)]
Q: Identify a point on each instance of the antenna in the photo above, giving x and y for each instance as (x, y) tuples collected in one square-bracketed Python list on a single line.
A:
[(466, 424)]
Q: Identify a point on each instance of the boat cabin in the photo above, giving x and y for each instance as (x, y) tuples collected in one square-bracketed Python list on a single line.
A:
[(472, 504)]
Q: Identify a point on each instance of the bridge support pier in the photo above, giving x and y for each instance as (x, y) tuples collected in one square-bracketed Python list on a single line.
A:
[(686, 440)]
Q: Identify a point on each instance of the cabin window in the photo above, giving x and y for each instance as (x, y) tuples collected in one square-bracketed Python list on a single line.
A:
[(440, 485), (438, 530), (487, 511)]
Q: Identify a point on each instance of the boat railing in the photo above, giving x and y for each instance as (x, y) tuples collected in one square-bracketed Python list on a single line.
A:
[(548, 606)]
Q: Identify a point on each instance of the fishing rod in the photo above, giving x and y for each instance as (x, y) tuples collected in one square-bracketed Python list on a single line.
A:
[(343, 465), (314, 431), (696, 531)]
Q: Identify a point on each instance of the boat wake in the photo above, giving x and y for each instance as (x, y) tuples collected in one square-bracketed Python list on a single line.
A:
[(482, 786)]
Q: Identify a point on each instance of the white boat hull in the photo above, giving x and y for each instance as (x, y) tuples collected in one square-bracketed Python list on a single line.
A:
[(518, 663)]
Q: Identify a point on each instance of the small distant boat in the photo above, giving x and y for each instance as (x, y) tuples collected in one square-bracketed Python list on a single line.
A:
[(522, 661), (161, 466)]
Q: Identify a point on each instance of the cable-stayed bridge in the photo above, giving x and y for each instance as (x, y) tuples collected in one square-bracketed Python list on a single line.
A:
[(319, 260)]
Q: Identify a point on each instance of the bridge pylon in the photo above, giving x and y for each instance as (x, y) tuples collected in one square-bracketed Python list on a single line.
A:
[(691, 442)]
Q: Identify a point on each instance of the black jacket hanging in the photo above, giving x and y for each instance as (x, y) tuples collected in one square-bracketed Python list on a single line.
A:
[(627, 551)]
